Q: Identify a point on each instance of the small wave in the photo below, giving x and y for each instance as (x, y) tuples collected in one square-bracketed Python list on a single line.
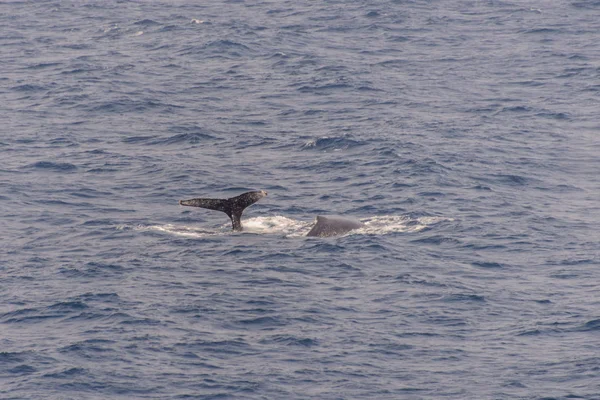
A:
[(262, 322), (176, 230), (22, 370), (462, 297), (52, 166), (68, 306), (44, 65), (290, 340), (191, 138), (182, 138), (146, 22), (66, 373), (593, 325), (487, 265), (332, 143), (28, 88)]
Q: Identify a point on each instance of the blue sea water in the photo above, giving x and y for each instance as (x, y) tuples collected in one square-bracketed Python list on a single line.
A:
[(465, 134)]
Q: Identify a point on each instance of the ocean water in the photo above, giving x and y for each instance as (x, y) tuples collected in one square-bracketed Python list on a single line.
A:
[(465, 134)]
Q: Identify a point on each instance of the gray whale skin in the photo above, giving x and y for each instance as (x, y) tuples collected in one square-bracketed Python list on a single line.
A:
[(333, 225)]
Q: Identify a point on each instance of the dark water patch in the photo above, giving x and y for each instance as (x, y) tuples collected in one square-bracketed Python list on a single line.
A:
[(262, 322), (530, 332), (431, 195), (94, 270), (515, 384), (460, 297), (146, 22), (68, 306), (390, 348), (412, 279), (394, 63), (324, 89), (530, 83), (487, 265), (417, 334), (482, 188), (68, 373), (270, 281), (287, 269), (368, 88), (12, 357), (58, 310), (81, 68), (590, 326), (103, 297), (99, 222), (189, 138), (89, 352), (516, 110), (85, 317), (436, 239), (485, 246), (504, 179), (53, 166), (399, 38), (22, 370), (171, 28), (124, 106), (586, 4), (322, 246), (236, 346), (279, 11), (289, 340), (77, 46), (29, 315), (575, 261), (141, 321), (63, 142), (418, 167), (548, 31), (565, 275), (44, 65), (561, 116), (28, 88), (137, 139)]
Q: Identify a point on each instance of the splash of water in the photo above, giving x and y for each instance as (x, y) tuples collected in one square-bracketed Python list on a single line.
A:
[(289, 227)]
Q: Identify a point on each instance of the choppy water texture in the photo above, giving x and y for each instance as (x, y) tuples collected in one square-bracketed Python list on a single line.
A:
[(464, 133)]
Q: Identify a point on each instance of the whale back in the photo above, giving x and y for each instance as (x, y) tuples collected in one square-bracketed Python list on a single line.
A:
[(333, 225)]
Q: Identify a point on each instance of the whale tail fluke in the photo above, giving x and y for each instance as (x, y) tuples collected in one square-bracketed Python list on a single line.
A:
[(233, 207)]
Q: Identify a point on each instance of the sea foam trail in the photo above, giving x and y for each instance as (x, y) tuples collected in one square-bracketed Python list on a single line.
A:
[(289, 227)]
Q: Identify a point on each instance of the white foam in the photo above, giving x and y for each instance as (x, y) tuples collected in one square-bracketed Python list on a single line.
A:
[(276, 225), (383, 224), (310, 143), (177, 230), (280, 225)]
